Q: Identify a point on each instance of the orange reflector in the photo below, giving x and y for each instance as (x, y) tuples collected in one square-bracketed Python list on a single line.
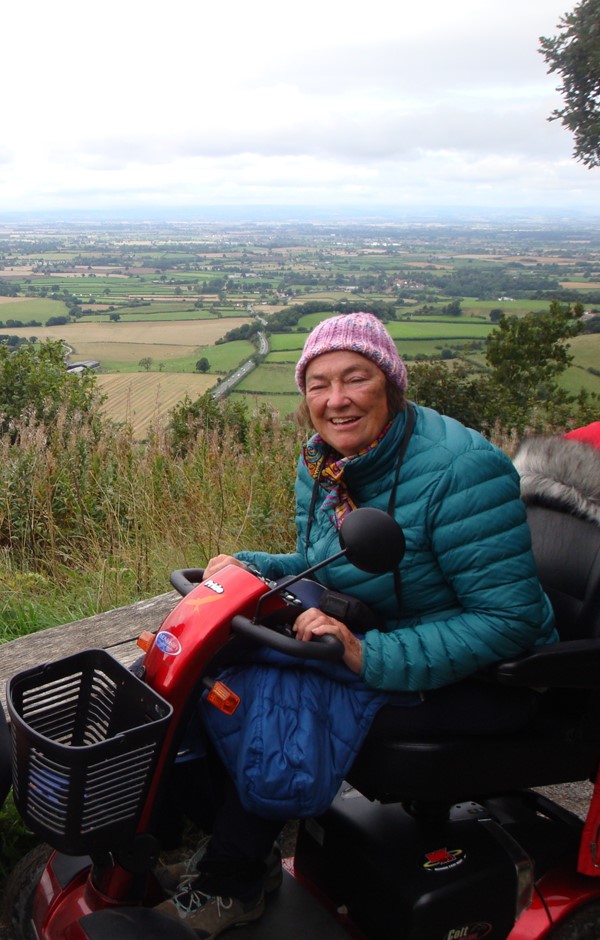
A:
[(223, 698), (145, 640)]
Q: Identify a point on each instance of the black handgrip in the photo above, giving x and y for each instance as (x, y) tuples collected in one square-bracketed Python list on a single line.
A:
[(185, 580), (326, 647)]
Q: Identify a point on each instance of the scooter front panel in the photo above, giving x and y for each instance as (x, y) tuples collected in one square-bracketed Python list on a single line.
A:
[(403, 878)]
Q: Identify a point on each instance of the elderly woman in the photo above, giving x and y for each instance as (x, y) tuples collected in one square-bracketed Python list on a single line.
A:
[(466, 595)]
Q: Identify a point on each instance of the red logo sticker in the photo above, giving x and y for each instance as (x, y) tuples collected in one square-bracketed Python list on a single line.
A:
[(442, 859)]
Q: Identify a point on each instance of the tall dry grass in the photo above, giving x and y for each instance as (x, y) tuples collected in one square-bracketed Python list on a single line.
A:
[(91, 517)]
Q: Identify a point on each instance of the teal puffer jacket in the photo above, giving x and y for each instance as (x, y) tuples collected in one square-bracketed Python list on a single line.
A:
[(470, 593)]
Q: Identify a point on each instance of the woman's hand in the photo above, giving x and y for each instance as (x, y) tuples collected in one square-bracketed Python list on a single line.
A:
[(219, 561), (314, 622)]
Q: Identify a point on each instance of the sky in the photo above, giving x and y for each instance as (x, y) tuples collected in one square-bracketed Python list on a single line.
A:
[(400, 104)]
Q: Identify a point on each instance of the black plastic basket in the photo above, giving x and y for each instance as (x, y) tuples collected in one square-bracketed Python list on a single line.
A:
[(86, 736)]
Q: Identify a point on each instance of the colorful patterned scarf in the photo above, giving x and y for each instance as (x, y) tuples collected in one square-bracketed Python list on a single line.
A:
[(328, 470)]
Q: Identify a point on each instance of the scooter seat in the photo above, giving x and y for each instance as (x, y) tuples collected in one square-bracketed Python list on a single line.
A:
[(563, 743), (455, 769)]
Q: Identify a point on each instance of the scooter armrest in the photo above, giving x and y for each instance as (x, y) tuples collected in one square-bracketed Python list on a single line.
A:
[(574, 664)]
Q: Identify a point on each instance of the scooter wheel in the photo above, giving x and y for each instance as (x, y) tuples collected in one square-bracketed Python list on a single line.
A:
[(583, 924), (17, 904)]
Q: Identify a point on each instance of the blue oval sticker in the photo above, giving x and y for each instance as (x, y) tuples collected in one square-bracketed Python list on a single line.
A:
[(167, 643)]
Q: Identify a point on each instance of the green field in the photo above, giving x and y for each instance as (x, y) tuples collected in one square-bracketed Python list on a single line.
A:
[(574, 379), (586, 352), (287, 341), (286, 405), (223, 358), (517, 308), (25, 310), (269, 378)]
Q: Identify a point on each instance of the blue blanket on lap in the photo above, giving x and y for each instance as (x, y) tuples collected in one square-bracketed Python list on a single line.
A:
[(296, 732)]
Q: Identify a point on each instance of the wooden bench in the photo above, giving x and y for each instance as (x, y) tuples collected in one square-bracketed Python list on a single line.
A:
[(115, 631)]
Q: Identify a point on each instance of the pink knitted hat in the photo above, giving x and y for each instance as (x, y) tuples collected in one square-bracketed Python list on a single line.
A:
[(356, 332)]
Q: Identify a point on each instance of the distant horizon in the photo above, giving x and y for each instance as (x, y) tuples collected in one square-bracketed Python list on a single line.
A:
[(293, 214)]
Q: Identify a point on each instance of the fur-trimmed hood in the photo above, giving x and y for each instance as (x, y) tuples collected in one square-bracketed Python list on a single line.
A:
[(562, 473)]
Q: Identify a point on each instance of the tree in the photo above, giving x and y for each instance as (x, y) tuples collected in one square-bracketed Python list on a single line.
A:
[(455, 391), (203, 365), (145, 363), (35, 386), (529, 353), (114, 317), (526, 357), (575, 54), (191, 419), (453, 309)]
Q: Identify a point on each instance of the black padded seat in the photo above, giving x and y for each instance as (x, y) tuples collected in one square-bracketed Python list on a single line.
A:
[(563, 744)]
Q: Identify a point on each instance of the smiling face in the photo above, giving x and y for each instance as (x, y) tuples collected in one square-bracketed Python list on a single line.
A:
[(346, 395)]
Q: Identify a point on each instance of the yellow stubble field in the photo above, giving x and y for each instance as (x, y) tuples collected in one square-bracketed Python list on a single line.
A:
[(186, 333), (144, 398)]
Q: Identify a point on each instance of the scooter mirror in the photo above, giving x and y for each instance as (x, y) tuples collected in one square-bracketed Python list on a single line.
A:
[(373, 540)]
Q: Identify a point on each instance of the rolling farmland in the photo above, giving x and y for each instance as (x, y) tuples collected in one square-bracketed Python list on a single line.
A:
[(148, 303)]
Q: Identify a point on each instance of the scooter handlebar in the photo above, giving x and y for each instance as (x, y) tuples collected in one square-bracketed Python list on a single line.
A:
[(326, 647), (185, 580)]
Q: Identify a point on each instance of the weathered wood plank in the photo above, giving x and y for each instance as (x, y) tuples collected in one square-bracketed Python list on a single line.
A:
[(116, 631)]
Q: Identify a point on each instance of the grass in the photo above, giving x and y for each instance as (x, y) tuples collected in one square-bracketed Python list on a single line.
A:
[(15, 839), (586, 350), (93, 522), (574, 379), (32, 601), (455, 328), (174, 336)]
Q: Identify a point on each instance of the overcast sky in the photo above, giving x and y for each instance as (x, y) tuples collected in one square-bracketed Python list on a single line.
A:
[(320, 103)]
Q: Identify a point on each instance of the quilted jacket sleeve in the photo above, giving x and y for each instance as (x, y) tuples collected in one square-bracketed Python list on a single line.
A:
[(481, 543), (274, 566)]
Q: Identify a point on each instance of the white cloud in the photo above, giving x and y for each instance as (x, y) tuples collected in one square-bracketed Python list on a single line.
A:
[(336, 101)]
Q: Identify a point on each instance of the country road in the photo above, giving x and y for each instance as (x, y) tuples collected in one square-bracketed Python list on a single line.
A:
[(229, 383)]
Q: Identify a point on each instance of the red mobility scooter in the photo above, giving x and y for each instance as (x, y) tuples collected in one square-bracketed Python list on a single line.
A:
[(429, 839)]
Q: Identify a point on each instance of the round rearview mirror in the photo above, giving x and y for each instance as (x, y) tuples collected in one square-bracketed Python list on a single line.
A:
[(373, 540)]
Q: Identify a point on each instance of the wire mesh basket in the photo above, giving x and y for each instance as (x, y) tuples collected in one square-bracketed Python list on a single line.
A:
[(86, 737)]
